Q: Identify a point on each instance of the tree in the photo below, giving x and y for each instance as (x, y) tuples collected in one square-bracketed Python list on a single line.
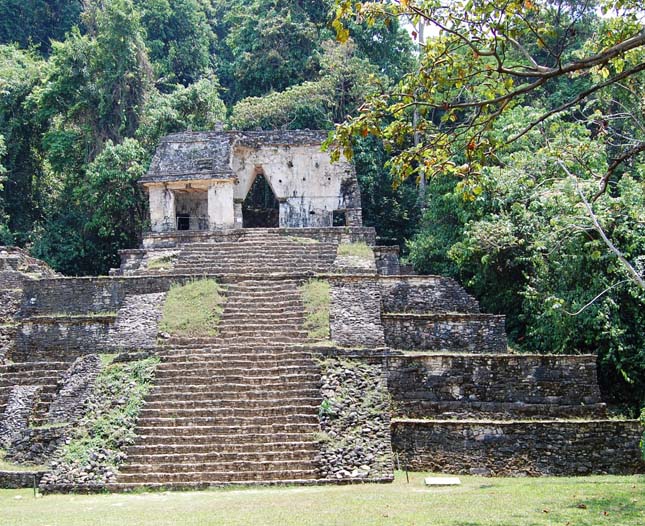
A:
[(485, 59), (179, 39), (20, 72), (37, 22)]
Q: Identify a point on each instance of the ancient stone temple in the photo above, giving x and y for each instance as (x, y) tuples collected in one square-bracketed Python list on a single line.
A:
[(209, 181), (328, 362)]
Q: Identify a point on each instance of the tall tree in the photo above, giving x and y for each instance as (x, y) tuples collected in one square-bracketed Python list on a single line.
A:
[(37, 22)]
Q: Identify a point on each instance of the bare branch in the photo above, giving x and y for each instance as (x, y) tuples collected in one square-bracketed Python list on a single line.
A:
[(635, 276)]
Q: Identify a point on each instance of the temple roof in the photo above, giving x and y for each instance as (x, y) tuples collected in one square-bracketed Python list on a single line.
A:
[(207, 155)]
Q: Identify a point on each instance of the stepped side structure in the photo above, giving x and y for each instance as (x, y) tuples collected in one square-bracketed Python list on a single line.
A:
[(407, 366)]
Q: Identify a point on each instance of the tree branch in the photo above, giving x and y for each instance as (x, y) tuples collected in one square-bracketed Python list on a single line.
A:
[(635, 276)]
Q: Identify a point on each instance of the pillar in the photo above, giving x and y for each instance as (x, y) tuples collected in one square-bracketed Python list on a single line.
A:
[(221, 212)]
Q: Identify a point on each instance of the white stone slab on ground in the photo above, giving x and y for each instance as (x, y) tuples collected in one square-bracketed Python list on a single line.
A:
[(442, 481)]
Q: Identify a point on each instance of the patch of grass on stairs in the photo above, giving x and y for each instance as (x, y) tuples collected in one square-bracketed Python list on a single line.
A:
[(193, 309), (316, 295), (359, 249)]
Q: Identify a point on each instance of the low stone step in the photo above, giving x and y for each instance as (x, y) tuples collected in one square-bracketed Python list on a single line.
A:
[(190, 362), (217, 477), (261, 370), (232, 428), (200, 393), (242, 467), (237, 439), (237, 378), (215, 414), (196, 451), (212, 457), (223, 420), (232, 403)]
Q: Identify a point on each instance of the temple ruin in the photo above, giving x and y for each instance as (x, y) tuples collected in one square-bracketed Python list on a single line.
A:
[(390, 365)]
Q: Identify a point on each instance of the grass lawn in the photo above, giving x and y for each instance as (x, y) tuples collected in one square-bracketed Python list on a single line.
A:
[(593, 501)]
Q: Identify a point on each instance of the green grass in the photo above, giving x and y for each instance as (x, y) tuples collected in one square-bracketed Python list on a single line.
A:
[(316, 295), (161, 263), (193, 309), (359, 250), (303, 240), (10, 466), (585, 501)]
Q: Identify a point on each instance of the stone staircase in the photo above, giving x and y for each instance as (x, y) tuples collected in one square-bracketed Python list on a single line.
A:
[(260, 252), (43, 374), (237, 408)]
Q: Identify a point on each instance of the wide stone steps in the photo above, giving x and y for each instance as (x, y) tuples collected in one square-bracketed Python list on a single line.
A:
[(209, 457), (233, 427), (188, 363), (262, 370), (249, 342), (217, 477), (216, 440), (206, 450), (204, 415), (200, 393), (230, 403), (188, 418), (239, 383), (241, 466)]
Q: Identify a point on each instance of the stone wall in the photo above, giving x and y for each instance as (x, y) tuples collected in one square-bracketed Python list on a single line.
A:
[(503, 386), (387, 260), (79, 296), (573, 447), (425, 294), (20, 404), (354, 314), (354, 421), (476, 333), (20, 479), (7, 341), (37, 445), (74, 388), (63, 338), (327, 235)]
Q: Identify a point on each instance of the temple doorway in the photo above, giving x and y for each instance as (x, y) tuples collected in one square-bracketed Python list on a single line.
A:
[(260, 208)]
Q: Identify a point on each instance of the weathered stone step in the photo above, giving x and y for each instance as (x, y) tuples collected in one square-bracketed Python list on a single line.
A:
[(33, 366), (241, 466), (222, 456), (230, 429), (275, 341), (228, 380), (234, 363), (190, 360), (217, 477), (263, 370), (232, 402), (201, 393), (237, 439), (223, 420), (215, 414), (197, 450)]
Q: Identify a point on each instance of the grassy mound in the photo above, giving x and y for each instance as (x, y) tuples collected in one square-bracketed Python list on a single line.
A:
[(193, 309)]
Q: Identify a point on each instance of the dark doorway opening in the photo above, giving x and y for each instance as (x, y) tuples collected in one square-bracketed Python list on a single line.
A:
[(183, 222), (260, 209), (339, 218)]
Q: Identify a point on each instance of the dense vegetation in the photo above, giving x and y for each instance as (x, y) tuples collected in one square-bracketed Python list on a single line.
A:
[(506, 150)]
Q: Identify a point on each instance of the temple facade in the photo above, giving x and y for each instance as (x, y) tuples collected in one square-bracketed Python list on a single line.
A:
[(201, 181)]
